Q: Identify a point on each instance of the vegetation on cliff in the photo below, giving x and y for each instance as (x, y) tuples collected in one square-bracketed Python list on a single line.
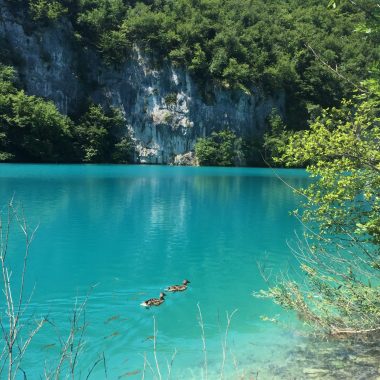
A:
[(33, 130), (231, 43), (222, 148)]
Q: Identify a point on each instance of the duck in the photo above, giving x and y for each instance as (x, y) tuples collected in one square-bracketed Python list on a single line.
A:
[(178, 288), (154, 301)]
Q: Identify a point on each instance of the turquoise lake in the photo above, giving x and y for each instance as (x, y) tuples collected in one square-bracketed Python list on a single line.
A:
[(132, 231)]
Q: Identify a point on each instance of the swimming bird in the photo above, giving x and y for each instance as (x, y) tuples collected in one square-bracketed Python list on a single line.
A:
[(178, 288), (154, 301)]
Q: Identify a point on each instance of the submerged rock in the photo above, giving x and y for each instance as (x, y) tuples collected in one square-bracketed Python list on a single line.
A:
[(315, 372), (314, 358)]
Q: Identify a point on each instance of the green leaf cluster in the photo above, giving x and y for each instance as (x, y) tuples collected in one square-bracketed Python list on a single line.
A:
[(97, 135), (31, 128), (340, 255), (341, 150), (222, 148), (275, 138), (47, 10)]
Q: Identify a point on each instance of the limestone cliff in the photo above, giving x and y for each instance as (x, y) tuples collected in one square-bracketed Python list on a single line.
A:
[(164, 107)]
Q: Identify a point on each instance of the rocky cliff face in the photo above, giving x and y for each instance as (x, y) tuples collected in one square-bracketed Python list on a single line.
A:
[(164, 107)]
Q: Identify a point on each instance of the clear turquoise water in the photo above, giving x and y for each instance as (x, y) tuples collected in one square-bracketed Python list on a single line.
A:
[(133, 230)]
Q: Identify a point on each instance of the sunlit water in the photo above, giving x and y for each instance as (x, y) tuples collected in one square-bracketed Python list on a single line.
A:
[(133, 230)]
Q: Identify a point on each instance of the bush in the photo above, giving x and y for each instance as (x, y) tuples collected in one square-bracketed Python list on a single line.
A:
[(171, 99), (124, 151), (96, 133), (276, 138), (46, 11), (222, 148)]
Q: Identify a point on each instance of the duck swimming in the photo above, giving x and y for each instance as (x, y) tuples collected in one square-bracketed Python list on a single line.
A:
[(154, 301), (178, 288)]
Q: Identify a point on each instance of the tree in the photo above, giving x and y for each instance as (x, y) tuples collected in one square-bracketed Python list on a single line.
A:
[(206, 151), (31, 128), (342, 151), (340, 255), (222, 148), (100, 136), (46, 11), (276, 137), (124, 150)]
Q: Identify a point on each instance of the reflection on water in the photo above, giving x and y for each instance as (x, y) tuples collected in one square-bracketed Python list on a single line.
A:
[(135, 230)]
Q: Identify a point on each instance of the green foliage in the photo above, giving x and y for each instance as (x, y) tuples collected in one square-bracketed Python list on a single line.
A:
[(342, 151), (198, 63), (206, 152), (124, 151), (333, 305), (220, 149), (236, 74), (238, 44), (97, 136), (276, 138), (114, 47), (33, 130), (171, 99), (46, 10), (99, 23), (7, 78), (341, 255)]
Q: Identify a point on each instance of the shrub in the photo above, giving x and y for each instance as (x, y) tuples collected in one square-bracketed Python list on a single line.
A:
[(222, 148), (171, 99)]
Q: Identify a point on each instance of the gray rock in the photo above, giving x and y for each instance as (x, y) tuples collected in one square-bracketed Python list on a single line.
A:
[(315, 373), (187, 159)]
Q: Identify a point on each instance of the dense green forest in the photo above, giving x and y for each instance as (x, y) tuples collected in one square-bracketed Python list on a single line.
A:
[(236, 43), (240, 43), (315, 54)]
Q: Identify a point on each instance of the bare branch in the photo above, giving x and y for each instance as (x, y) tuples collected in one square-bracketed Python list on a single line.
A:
[(170, 365), (155, 348), (335, 71), (93, 367), (201, 324), (224, 345)]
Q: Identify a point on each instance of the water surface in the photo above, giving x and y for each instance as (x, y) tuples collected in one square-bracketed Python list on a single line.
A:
[(133, 230)]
